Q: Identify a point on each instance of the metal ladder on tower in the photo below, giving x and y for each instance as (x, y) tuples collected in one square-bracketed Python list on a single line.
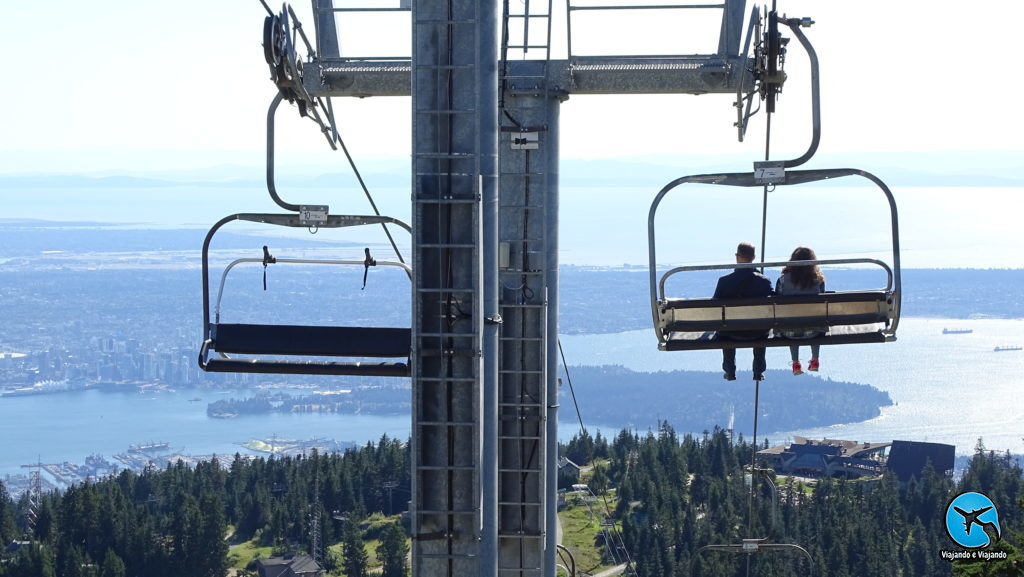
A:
[(523, 275), (447, 290)]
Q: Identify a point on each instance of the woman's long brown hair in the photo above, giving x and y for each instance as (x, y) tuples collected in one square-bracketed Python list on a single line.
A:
[(804, 276)]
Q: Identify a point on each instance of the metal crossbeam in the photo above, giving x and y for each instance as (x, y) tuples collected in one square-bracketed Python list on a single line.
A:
[(711, 74)]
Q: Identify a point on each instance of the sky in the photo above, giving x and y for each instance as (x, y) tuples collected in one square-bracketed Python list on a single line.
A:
[(137, 85), (147, 87)]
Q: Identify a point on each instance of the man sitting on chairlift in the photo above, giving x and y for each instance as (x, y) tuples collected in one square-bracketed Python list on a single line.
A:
[(743, 283)]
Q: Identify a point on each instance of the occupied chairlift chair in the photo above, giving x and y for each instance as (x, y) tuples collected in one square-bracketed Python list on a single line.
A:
[(863, 316), (270, 342)]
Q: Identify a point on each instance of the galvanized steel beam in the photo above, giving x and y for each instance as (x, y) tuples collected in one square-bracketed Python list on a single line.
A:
[(594, 75)]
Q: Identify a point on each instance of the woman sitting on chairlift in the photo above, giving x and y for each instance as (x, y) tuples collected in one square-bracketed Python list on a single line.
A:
[(802, 280)]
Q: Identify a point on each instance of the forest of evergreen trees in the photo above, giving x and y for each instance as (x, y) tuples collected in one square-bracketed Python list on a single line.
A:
[(676, 495), (175, 522), (671, 496)]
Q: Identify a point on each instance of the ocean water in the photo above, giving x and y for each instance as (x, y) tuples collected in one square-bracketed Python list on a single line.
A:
[(71, 426), (950, 389), (946, 388)]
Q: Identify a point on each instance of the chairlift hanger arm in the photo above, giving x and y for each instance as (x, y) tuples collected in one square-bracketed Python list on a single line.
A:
[(271, 114), (770, 78), (795, 24)]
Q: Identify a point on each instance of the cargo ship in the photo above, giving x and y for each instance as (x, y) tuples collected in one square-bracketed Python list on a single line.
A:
[(42, 388), (150, 447)]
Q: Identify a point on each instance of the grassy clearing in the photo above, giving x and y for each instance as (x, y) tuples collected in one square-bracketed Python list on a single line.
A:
[(241, 554), (581, 527)]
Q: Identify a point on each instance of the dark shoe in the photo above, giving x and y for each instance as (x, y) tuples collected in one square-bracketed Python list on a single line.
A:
[(759, 377), (729, 377)]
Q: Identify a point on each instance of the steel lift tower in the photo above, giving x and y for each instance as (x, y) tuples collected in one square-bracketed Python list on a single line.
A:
[(485, 104)]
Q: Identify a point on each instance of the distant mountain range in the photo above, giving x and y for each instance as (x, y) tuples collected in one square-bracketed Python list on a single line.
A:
[(918, 169)]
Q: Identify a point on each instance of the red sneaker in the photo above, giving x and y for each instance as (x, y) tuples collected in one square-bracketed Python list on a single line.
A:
[(814, 365), (797, 369)]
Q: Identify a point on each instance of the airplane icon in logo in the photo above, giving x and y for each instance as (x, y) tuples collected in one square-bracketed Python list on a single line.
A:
[(971, 518)]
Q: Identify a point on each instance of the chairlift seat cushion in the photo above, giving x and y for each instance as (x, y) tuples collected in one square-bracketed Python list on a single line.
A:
[(836, 335), (299, 340), (297, 367)]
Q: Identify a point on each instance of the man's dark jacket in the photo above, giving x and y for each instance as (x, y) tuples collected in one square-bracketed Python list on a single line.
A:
[(743, 283)]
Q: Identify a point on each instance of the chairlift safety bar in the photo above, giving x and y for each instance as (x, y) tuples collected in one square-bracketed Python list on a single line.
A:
[(773, 264), (279, 260), (292, 220)]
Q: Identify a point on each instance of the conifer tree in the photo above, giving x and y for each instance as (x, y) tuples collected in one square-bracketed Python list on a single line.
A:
[(356, 559), (8, 527), (112, 565), (393, 550)]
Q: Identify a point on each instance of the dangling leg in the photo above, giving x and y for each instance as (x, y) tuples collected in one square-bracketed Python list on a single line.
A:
[(729, 364), (760, 365), (794, 353), (814, 358)]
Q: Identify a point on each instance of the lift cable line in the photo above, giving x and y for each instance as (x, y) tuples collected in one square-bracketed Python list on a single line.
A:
[(279, 51), (366, 191), (619, 543), (565, 367)]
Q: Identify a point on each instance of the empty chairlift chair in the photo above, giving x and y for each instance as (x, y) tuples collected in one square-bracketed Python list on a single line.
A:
[(861, 316), (285, 349)]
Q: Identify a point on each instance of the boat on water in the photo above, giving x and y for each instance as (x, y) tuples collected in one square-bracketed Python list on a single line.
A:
[(149, 447), (1008, 348), (42, 388), (957, 331)]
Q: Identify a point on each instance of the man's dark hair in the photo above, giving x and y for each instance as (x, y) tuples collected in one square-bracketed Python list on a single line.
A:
[(746, 250)]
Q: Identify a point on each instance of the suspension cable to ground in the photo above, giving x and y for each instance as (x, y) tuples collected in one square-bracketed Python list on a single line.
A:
[(565, 367), (583, 429), (764, 233), (753, 463)]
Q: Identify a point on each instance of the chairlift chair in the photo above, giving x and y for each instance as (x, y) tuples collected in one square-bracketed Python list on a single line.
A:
[(267, 343), (848, 317)]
